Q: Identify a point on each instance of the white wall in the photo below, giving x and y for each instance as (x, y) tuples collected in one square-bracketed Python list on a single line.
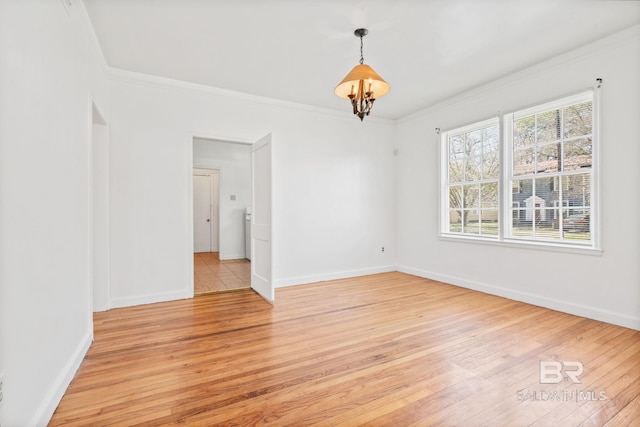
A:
[(332, 185), (48, 73), (234, 162), (602, 287)]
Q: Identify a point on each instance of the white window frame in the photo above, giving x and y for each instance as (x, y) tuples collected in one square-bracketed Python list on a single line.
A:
[(444, 177), (506, 182)]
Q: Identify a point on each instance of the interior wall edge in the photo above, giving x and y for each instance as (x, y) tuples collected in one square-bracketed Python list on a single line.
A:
[(58, 388), (150, 298), (590, 312), (305, 280)]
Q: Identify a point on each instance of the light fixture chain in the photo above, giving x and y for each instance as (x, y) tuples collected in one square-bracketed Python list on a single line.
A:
[(361, 54)]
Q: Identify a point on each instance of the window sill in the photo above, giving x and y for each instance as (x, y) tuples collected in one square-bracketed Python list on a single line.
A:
[(523, 244)]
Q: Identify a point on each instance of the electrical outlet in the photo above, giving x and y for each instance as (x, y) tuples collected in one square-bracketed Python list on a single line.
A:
[(383, 249)]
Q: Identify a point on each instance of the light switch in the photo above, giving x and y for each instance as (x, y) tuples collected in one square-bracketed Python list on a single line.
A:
[(233, 197)]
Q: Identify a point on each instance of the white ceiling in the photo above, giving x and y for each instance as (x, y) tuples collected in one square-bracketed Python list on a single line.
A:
[(299, 50)]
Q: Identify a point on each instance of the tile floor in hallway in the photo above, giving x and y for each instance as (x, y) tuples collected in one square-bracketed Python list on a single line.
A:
[(213, 275)]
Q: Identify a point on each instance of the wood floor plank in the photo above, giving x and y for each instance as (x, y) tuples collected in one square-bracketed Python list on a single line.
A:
[(628, 416), (387, 349)]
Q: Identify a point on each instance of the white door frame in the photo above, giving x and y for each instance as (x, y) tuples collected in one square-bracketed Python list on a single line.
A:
[(190, 166)]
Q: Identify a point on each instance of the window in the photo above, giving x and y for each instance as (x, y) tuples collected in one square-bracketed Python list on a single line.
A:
[(551, 148), (472, 176), (544, 162)]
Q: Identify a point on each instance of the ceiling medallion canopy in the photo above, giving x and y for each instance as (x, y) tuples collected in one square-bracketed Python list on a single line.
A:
[(362, 86)]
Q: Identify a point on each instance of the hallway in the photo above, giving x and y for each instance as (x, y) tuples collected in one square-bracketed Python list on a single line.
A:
[(213, 275)]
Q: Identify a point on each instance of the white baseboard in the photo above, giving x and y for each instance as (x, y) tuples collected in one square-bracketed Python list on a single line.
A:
[(149, 298), (303, 280), (49, 404), (590, 312), (226, 257)]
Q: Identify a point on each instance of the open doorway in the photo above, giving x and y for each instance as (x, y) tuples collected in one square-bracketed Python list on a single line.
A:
[(221, 197)]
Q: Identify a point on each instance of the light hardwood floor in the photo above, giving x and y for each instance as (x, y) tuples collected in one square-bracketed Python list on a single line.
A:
[(213, 275), (383, 350)]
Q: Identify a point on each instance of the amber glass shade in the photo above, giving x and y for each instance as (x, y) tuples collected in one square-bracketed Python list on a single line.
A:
[(372, 82)]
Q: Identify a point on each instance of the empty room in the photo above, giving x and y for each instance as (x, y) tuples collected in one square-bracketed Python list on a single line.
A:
[(354, 212)]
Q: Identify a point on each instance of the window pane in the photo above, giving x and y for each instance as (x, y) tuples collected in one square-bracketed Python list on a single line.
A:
[(489, 224), (490, 139), (576, 224), (525, 187), (472, 225), (546, 189), (515, 187), (545, 204), (455, 197), (489, 194), (455, 221), (456, 147), (576, 190), (555, 145), (521, 228), (577, 154), (490, 165), (518, 214), (474, 143), (524, 131), (471, 196), (524, 161), (548, 126), (548, 158), (456, 170), (578, 120), (547, 229), (472, 168)]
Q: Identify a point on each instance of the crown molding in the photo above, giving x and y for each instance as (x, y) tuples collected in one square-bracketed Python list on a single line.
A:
[(621, 38), (132, 77)]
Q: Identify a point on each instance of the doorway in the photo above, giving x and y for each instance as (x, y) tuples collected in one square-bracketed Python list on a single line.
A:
[(221, 196)]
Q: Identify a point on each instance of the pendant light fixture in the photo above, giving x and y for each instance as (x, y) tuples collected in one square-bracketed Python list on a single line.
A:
[(362, 86)]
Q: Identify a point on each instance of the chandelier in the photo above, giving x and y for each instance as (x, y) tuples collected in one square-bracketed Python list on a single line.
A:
[(362, 86)]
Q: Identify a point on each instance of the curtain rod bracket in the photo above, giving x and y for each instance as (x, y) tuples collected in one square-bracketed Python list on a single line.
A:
[(599, 82)]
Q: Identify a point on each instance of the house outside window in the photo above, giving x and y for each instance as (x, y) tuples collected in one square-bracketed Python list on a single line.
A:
[(551, 162), (533, 185)]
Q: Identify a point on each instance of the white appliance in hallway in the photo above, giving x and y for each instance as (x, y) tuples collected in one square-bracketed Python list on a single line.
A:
[(247, 233)]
